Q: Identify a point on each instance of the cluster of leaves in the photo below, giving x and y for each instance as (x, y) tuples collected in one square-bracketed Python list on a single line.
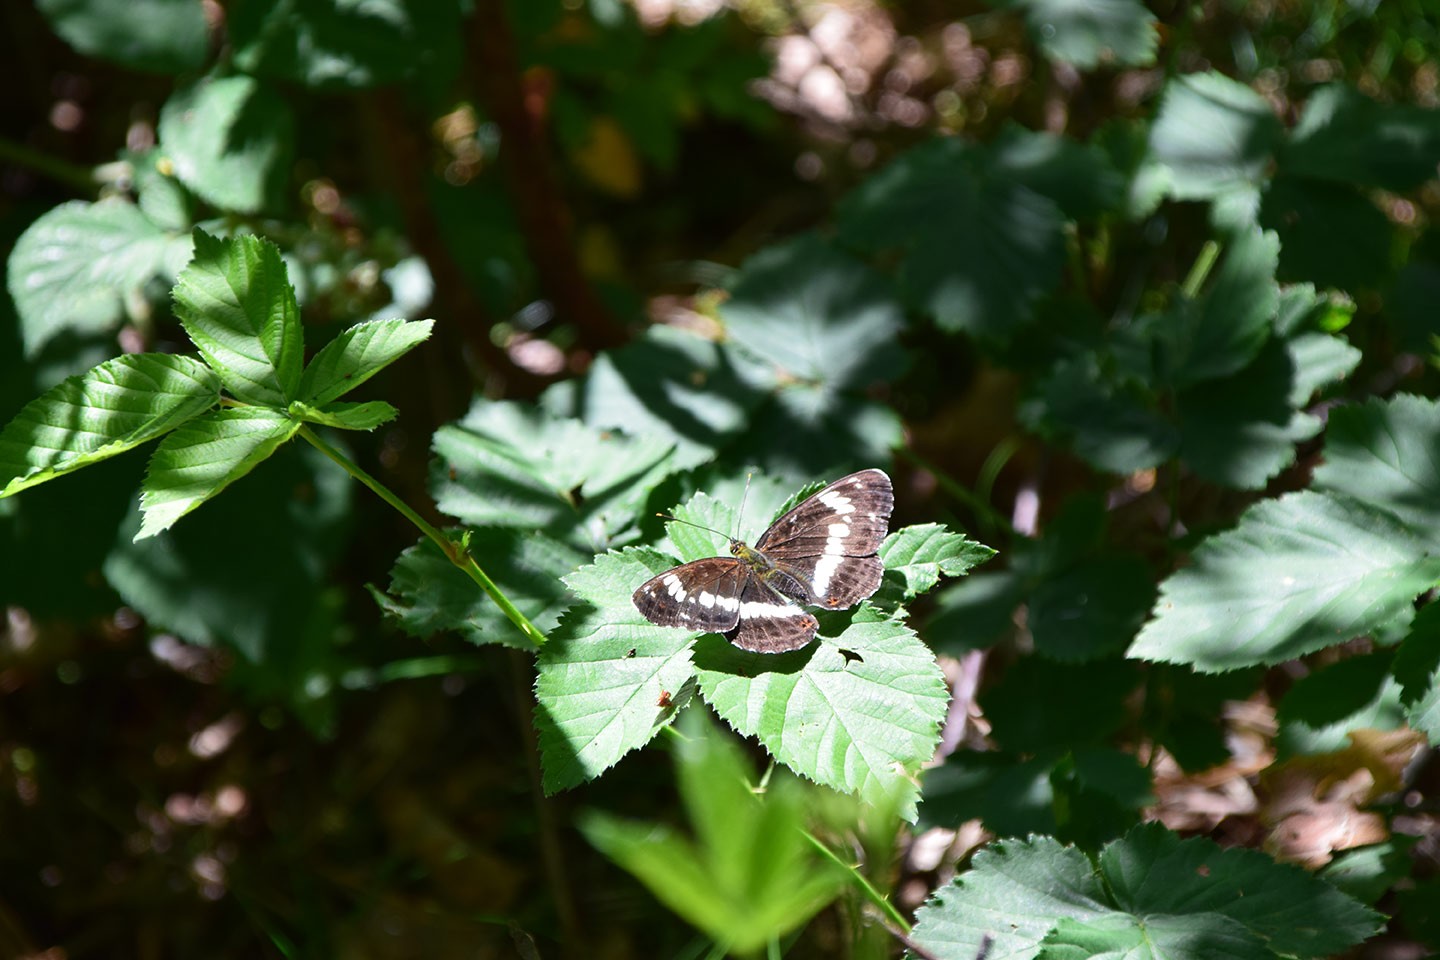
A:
[(1203, 392)]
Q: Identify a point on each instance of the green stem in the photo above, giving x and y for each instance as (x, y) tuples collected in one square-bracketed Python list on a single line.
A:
[(458, 553), (986, 514), (873, 895), (1201, 269), (79, 178)]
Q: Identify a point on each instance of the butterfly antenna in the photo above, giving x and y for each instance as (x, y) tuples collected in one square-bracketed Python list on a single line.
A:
[(691, 523), (740, 514)]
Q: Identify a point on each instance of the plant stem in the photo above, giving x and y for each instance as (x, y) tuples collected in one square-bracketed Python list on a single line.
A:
[(874, 896), (457, 552)]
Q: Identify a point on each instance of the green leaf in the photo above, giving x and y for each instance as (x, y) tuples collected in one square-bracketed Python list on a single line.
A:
[(670, 384), (1150, 894), (923, 553), (1319, 360), (1308, 215), (77, 265), (603, 670), (346, 416), (429, 594), (1041, 705), (1091, 610), (1224, 331), (1080, 177), (1382, 452), (978, 249), (1115, 427), (1345, 137), (1366, 873), (750, 875), (229, 139), (837, 328), (1318, 714), (1088, 33), (120, 404), (204, 457), (158, 36), (512, 465), (238, 307), (1298, 574), (1214, 135), (859, 712), (357, 355), (839, 430)]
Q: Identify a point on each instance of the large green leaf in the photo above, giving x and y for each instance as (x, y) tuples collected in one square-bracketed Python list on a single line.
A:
[(1308, 216), (163, 36), (1296, 575), (1214, 135), (602, 674), (978, 248), (205, 456), (76, 266), (860, 711), (1382, 452), (118, 405), (1149, 895), (229, 139), (1346, 137), (357, 355), (237, 305)]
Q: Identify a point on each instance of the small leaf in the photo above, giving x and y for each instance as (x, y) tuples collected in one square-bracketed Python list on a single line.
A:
[(1298, 574), (346, 416), (237, 305), (120, 404), (861, 724), (357, 355), (923, 553), (205, 456), (1088, 33), (229, 139), (602, 672), (74, 267), (1382, 452)]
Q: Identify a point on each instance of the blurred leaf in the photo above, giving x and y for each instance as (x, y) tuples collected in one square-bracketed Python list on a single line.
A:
[(1089, 33), (1298, 574), (511, 465), (1382, 453), (429, 594), (229, 139), (1366, 873), (1011, 796), (978, 248), (1417, 667), (203, 457), (923, 553), (859, 711), (1214, 134), (1092, 610), (1348, 138), (1150, 894), (238, 307), (75, 266), (603, 670), (1309, 216), (158, 36), (750, 875), (1318, 714), (1410, 306), (357, 355), (804, 431), (836, 328), (1319, 360), (1115, 427), (1079, 177), (1221, 332), (1043, 705), (348, 45), (118, 405)]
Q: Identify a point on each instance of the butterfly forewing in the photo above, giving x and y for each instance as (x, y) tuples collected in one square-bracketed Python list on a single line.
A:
[(828, 541), (700, 595)]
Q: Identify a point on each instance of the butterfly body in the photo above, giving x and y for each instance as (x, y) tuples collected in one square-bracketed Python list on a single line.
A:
[(821, 552)]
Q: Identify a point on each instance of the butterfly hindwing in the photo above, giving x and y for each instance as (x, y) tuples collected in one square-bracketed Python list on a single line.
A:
[(769, 623), (700, 595)]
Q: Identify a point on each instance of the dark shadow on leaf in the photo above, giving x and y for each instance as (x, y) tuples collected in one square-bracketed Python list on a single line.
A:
[(714, 652)]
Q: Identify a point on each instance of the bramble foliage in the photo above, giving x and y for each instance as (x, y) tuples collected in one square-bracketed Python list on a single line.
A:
[(1143, 328)]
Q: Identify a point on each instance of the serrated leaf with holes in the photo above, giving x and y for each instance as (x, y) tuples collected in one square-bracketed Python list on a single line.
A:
[(602, 672), (1150, 894), (859, 712), (1297, 574), (237, 305), (205, 456), (111, 408), (358, 354), (921, 554)]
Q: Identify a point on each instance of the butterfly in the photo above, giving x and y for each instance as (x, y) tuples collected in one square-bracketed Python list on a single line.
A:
[(821, 553)]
